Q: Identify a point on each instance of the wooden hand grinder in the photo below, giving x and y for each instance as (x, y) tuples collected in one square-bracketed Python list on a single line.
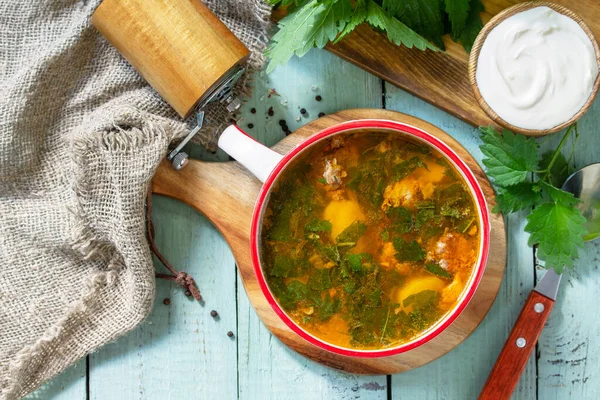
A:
[(182, 49)]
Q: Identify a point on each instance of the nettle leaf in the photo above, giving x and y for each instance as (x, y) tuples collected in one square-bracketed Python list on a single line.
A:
[(283, 266), (422, 299), (369, 181), (458, 11), (412, 23), (331, 253), (435, 269), (401, 218), (359, 15), (397, 32), (465, 225), (393, 7), (454, 201), (318, 225), (558, 195), (560, 170), (408, 251), (404, 168), (424, 215), (328, 307), (510, 157), (521, 196), (448, 170), (352, 233), (319, 280), (423, 16), (356, 261), (472, 26), (297, 291), (557, 227), (312, 25)]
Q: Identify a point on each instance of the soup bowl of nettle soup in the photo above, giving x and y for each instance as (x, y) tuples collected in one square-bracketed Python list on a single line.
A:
[(369, 238)]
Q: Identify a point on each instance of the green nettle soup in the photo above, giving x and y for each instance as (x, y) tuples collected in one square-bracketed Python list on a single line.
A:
[(369, 239)]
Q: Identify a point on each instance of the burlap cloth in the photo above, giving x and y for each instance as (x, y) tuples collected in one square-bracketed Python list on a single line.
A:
[(81, 134)]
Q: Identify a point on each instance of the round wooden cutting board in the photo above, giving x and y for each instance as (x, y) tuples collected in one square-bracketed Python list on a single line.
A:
[(226, 193)]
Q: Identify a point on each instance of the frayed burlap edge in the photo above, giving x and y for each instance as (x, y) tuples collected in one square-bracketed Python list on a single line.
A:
[(48, 356), (128, 133)]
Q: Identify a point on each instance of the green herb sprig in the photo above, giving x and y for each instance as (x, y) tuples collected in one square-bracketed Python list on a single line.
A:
[(555, 224), (412, 23)]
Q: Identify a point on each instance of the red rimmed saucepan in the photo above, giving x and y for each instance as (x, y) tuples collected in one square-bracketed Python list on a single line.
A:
[(267, 165)]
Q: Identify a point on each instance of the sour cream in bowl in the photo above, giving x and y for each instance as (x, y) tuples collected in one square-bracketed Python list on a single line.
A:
[(534, 68)]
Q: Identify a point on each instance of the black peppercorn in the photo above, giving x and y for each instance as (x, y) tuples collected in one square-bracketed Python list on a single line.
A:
[(303, 111), (167, 301), (318, 98), (282, 122), (321, 114), (250, 126), (214, 314), (253, 110), (230, 334), (271, 112)]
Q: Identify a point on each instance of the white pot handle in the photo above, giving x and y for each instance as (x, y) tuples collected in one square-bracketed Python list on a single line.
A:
[(258, 159)]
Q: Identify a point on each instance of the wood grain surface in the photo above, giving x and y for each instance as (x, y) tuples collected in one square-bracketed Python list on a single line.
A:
[(440, 78), (181, 352), (226, 194), (180, 47)]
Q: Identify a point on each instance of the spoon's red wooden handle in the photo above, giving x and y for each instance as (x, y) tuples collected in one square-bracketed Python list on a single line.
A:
[(518, 347)]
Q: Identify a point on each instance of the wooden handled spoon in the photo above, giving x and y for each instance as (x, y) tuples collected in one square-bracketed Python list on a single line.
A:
[(585, 185)]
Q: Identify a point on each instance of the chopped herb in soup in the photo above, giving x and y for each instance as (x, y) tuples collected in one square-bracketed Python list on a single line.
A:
[(369, 239)]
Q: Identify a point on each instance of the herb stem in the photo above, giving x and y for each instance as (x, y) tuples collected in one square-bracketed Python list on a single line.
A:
[(574, 145), (558, 149), (385, 325)]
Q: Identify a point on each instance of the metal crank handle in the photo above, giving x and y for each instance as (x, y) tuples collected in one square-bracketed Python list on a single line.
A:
[(180, 158)]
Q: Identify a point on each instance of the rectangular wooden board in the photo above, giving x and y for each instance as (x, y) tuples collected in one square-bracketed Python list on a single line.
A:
[(439, 78)]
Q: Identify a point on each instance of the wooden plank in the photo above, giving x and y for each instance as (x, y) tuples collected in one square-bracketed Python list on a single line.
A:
[(461, 373), (70, 385), (267, 368), (339, 84), (270, 370), (180, 350), (569, 348), (439, 78)]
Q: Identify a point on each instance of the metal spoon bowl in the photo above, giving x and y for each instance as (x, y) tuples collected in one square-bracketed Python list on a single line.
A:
[(585, 185)]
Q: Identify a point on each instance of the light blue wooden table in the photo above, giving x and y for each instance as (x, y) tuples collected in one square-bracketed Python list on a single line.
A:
[(181, 352)]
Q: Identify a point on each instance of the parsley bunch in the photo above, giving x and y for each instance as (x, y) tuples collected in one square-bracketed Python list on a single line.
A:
[(555, 224), (412, 23)]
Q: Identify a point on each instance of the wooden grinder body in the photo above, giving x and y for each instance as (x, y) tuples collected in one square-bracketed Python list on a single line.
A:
[(179, 46)]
